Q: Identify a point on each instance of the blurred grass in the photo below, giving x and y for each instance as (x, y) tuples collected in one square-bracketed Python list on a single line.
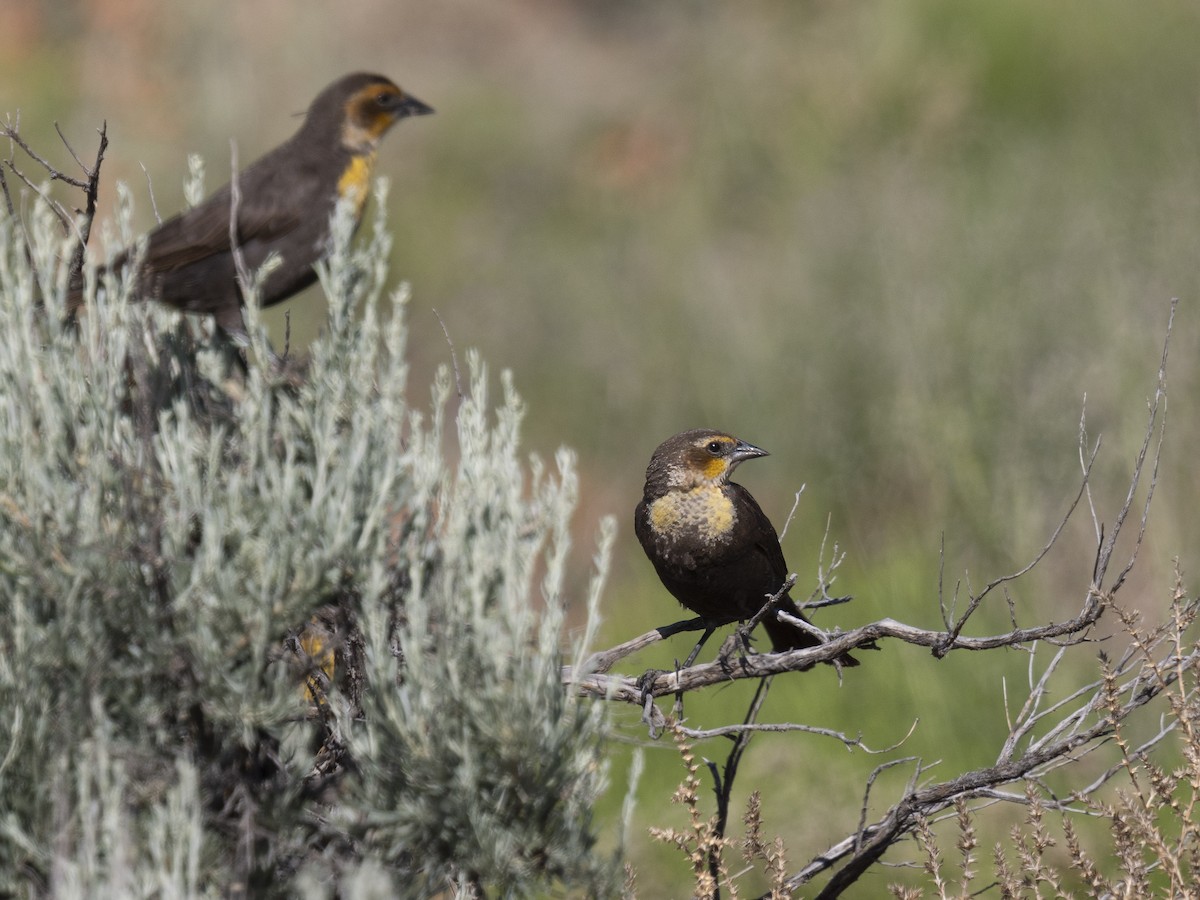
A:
[(894, 243)]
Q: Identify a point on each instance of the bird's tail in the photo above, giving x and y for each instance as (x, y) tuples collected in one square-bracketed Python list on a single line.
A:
[(788, 637)]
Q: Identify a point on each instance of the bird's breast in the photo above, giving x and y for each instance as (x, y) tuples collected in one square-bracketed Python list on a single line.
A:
[(703, 515), (355, 181)]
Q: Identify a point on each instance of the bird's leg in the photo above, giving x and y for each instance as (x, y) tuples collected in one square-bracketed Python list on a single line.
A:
[(708, 632), (645, 684), (231, 325)]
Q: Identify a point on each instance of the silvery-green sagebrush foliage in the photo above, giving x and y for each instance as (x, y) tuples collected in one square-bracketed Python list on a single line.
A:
[(167, 522)]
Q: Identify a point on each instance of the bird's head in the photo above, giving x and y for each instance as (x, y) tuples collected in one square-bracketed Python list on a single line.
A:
[(696, 458), (365, 106)]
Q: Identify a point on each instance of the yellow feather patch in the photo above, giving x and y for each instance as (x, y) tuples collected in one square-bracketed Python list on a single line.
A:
[(356, 180), (704, 510), (316, 643), (664, 514), (720, 515)]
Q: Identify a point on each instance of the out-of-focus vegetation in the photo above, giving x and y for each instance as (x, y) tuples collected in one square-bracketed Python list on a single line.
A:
[(895, 243)]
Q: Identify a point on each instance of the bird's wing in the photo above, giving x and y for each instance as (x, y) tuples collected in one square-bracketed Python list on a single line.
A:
[(641, 525), (266, 211), (765, 541), (203, 231)]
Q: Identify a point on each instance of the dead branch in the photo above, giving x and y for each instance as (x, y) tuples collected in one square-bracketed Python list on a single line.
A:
[(91, 193), (852, 743), (864, 848), (954, 629), (81, 220), (89, 184), (624, 688)]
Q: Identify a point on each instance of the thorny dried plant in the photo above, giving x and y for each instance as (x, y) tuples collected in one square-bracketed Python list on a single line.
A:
[(1148, 798), (704, 845), (700, 843), (755, 847)]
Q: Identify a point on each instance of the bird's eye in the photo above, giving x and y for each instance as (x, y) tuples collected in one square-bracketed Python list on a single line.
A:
[(386, 100), (714, 447)]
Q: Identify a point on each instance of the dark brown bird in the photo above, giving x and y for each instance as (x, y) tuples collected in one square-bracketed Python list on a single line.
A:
[(286, 200), (710, 542)]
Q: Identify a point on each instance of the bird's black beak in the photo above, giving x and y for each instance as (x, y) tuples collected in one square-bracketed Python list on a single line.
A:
[(743, 451), (411, 106)]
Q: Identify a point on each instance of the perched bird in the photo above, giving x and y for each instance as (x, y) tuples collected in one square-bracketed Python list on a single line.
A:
[(713, 547), (286, 200)]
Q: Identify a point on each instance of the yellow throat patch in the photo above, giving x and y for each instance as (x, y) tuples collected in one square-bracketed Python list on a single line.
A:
[(356, 181), (715, 468)]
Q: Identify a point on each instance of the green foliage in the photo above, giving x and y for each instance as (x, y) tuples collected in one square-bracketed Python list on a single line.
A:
[(170, 521)]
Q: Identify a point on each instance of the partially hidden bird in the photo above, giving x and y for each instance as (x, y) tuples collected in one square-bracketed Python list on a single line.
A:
[(285, 205)]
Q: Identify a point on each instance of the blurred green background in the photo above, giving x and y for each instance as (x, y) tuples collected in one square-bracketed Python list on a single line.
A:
[(895, 243)]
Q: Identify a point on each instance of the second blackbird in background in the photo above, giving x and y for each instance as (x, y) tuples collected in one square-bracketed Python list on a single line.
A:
[(710, 542), (286, 200)]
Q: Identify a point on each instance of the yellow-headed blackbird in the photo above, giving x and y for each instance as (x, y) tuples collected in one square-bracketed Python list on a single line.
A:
[(286, 200), (710, 542)]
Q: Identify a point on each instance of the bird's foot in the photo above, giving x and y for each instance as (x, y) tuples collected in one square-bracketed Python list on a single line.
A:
[(651, 714), (735, 648), (645, 684)]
